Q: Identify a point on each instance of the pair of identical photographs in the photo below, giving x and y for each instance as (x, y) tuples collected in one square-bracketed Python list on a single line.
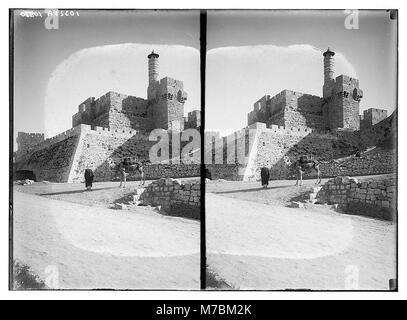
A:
[(217, 150)]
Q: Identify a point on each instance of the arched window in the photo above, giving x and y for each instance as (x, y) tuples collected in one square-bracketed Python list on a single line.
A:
[(179, 96)]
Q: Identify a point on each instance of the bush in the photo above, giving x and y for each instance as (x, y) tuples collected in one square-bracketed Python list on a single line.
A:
[(25, 279)]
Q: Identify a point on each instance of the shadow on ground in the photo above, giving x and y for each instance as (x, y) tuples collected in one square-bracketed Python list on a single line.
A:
[(250, 190), (74, 191)]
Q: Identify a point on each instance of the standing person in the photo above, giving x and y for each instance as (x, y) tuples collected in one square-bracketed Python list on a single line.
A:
[(88, 178), (265, 176), (122, 175)]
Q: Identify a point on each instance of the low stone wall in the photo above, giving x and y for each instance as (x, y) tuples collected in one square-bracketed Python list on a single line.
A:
[(155, 171), (375, 197), (173, 197), (232, 172), (378, 162)]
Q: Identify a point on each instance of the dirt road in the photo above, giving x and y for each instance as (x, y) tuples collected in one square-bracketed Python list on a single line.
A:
[(95, 247), (262, 244)]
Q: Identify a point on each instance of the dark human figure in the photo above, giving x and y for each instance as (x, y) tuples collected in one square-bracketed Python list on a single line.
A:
[(88, 178), (122, 174), (208, 174), (265, 176)]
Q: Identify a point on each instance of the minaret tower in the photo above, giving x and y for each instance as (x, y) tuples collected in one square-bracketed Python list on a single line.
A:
[(153, 66), (153, 74), (328, 65), (328, 70)]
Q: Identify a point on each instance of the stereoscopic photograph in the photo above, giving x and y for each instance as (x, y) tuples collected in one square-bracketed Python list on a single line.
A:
[(106, 187), (276, 128), (301, 153)]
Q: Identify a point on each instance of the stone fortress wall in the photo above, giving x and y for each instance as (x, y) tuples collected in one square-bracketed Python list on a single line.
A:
[(193, 120), (335, 150), (27, 141), (291, 124), (371, 117), (288, 109), (51, 162), (287, 125), (107, 129), (99, 149)]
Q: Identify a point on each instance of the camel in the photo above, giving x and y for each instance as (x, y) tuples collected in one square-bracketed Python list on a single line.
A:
[(132, 165), (305, 164)]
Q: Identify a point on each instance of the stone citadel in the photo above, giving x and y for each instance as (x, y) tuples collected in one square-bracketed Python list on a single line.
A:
[(107, 129), (283, 127), (338, 108), (328, 127)]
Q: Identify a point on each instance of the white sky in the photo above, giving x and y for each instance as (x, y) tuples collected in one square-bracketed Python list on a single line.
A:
[(282, 49), (121, 68), (239, 76)]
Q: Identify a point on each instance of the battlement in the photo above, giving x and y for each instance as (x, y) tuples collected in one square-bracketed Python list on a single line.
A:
[(50, 141), (342, 86), (372, 116), (377, 115), (30, 135), (27, 141), (288, 108), (88, 129), (122, 133), (297, 131), (193, 120)]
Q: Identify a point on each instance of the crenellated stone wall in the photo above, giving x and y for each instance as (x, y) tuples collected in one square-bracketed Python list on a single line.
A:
[(99, 149), (193, 120), (303, 110), (52, 162), (371, 117), (27, 141), (290, 109), (115, 111)]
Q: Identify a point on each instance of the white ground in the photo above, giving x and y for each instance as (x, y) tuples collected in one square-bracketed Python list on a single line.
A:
[(253, 245), (95, 247)]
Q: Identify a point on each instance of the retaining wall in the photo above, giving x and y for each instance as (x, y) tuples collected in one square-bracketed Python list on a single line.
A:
[(173, 197), (375, 197)]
